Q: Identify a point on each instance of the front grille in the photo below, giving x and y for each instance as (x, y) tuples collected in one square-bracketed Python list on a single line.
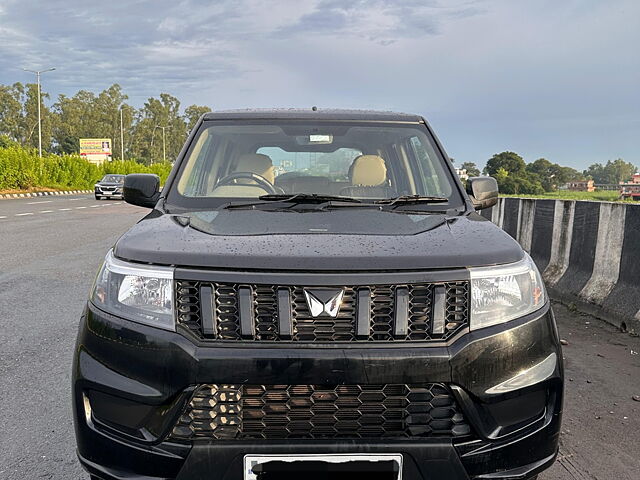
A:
[(426, 318), (226, 412)]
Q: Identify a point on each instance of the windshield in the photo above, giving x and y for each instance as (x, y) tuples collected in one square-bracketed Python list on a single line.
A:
[(368, 161), (113, 179)]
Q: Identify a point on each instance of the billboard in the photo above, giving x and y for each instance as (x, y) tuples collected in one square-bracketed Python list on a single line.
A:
[(96, 150)]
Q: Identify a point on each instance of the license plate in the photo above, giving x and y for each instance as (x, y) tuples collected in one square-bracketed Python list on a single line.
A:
[(107, 193), (251, 461)]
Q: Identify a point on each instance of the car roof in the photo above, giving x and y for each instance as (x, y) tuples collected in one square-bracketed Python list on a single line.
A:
[(317, 114)]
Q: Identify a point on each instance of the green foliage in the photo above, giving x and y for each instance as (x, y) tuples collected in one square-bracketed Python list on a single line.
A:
[(614, 171), (509, 161), (97, 115), (471, 168), (22, 169)]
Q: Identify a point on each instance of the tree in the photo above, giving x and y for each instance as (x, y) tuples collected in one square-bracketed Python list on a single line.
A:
[(614, 171), (471, 168), (162, 112), (510, 161), (193, 113), (11, 111)]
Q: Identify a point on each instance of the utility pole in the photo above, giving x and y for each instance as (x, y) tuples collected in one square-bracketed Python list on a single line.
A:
[(38, 72), (121, 134), (164, 149)]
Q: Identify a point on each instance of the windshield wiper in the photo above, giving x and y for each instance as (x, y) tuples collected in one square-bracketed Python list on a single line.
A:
[(293, 199), (308, 198), (410, 200)]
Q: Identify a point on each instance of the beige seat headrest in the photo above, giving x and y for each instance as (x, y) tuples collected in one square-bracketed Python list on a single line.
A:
[(256, 163), (368, 171)]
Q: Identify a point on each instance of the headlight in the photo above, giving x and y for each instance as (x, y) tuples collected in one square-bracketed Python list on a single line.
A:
[(140, 293), (505, 292)]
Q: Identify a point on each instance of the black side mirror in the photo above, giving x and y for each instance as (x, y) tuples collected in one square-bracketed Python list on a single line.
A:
[(142, 189), (483, 192)]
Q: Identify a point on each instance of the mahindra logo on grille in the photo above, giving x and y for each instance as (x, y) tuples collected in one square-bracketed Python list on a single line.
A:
[(324, 301)]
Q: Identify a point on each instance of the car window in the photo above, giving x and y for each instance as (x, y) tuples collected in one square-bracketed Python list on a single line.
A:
[(370, 161)]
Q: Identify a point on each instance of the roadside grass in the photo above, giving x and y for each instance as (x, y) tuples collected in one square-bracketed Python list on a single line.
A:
[(597, 196)]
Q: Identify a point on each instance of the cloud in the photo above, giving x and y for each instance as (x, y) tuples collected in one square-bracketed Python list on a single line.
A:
[(545, 78)]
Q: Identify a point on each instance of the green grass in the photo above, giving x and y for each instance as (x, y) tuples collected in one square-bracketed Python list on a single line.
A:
[(597, 196)]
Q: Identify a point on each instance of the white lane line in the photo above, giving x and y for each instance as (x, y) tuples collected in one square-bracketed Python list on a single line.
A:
[(78, 208), (64, 209), (3, 216), (46, 211), (74, 199), (37, 203), (94, 206), (23, 214)]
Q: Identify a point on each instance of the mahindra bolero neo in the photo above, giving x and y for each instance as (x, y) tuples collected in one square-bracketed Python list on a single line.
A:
[(314, 295)]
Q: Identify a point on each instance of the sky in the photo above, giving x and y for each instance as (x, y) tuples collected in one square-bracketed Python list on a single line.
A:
[(558, 79)]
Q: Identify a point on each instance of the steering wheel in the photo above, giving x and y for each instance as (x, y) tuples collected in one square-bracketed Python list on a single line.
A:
[(262, 182)]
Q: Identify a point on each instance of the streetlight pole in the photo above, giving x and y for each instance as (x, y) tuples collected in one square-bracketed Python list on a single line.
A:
[(38, 72), (164, 149), (121, 135)]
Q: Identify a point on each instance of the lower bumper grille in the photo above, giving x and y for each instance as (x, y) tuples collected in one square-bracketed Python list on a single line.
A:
[(321, 412)]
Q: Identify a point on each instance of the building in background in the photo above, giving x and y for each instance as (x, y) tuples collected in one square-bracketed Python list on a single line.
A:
[(631, 189), (96, 150), (462, 173), (581, 186)]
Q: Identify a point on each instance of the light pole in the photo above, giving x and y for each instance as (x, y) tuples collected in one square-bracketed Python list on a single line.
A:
[(122, 133), (164, 150), (38, 72)]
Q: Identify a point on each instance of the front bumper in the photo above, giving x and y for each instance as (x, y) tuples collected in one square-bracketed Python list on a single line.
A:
[(141, 378), (108, 193)]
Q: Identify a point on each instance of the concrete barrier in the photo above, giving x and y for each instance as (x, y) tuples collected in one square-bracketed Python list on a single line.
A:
[(588, 252)]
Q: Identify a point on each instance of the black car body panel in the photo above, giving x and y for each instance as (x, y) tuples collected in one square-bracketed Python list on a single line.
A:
[(475, 403), (368, 240)]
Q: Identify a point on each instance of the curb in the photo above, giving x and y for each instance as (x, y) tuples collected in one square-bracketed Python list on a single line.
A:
[(8, 196)]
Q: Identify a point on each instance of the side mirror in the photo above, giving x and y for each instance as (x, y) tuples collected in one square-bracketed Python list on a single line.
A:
[(483, 192), (142, 189)]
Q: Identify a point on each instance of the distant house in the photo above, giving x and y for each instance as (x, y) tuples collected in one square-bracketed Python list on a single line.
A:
[(631, 189), (581, 186), (462, 173)]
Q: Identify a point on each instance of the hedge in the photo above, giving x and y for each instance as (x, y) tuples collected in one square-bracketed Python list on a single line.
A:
[(22, 169)]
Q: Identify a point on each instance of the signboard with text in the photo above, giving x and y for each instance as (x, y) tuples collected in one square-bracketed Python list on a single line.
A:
[(95, 150)]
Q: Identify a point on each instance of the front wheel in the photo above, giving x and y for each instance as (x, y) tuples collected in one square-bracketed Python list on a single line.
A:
[(98, 197)]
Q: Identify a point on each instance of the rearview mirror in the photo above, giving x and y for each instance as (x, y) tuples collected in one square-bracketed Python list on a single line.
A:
[(142, 189), (483, 192)]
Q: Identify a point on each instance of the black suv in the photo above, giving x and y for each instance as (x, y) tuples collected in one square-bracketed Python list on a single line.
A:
[(314, 295)]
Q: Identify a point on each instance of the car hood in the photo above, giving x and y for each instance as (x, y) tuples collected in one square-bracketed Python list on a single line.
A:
[(335, 240), (109, 184)]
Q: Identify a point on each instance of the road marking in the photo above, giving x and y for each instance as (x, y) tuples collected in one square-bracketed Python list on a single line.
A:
[(23, 214), (46, 211), (74, 199), (94, 206), (36, 203), (64, 209), (77, 208), (3, 216)]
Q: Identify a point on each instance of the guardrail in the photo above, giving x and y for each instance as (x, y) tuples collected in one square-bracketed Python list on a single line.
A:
[(588, 252)]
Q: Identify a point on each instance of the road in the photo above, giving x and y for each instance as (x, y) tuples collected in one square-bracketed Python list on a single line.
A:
[(50, 248)]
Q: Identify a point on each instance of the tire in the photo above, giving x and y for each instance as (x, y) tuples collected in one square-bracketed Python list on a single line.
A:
[(98, 197)]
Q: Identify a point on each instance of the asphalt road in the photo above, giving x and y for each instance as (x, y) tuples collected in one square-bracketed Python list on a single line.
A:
[(50, 248)]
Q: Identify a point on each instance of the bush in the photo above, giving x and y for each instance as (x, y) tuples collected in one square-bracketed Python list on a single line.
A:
[(22, 169)]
